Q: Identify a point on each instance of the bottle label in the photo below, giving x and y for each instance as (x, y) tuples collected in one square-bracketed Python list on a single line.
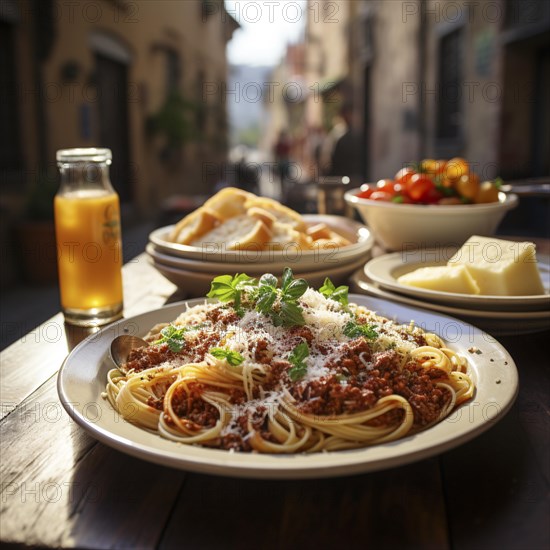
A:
[(111, 225)]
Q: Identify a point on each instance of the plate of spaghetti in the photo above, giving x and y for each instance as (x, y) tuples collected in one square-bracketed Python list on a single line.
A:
[(269, 378)]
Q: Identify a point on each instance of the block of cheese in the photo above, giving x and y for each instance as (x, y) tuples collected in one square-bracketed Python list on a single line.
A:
[(499, 267), (442, 278)]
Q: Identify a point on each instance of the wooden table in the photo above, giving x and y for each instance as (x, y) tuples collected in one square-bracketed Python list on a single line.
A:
[(61, 488)]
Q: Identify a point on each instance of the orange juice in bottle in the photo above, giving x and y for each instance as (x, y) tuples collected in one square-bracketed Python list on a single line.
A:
[(87, 225)]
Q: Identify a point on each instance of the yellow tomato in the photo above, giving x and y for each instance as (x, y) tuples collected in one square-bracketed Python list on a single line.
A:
[(455, 168), (432, 167), (444, 181), (467, 186), (487, 192)]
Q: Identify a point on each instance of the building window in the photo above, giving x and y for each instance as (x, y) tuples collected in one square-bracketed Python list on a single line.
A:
[(449, 104)]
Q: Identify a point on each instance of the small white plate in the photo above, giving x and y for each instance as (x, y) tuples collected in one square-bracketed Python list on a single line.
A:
[(384, 270), (198, 283), (81, 382), (360, 237), (497, 323)]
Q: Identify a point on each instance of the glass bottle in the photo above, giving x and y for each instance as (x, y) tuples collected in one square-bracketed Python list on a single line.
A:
[(87, 226)]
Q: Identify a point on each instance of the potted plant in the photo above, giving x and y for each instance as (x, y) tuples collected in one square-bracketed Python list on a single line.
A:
[(172, 123)]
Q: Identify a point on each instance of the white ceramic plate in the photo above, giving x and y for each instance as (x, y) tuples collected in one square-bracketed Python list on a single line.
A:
[(82, 378), (360, 237), (294, 262), (198, 283), (384, 270), (497, 323)]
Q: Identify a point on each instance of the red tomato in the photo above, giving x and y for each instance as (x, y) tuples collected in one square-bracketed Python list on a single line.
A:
[(389, 186), (381, 196), (404, 175), (419, 186), (366, 191), (432, 196)]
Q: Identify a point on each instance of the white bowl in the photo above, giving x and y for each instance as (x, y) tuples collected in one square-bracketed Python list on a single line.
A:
[(407, 226)]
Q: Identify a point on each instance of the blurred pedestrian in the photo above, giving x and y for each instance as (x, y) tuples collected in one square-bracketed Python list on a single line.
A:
[(282, 158), (315, 140), (341, 153)]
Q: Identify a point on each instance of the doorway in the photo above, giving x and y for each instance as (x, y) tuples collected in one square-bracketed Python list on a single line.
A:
[(112, 84)]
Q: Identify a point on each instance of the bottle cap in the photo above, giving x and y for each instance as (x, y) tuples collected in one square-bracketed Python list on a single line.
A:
[(86, 154)]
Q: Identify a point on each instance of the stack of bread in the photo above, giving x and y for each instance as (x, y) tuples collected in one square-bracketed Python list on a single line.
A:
[(244, 221), (237, 231)]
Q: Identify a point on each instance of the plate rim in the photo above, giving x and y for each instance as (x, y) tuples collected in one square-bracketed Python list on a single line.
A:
[(301, 466)]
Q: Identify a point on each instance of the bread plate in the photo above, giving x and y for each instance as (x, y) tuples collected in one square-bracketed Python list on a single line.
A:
[(361, 239)]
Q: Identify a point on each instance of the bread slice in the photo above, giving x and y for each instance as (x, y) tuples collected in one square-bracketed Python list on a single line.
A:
[(229, 202), (238, 233), (284, 235), (280, 211), (319, 231), (194, 225), (262, 214)]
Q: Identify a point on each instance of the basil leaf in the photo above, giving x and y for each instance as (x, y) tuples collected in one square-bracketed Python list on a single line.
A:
[(221, 288), (340, 294), (328, 288), (295, 289), (173, 337), (295, 373), (296, 358), (266, 300), (268, 280), (353, 330), (299, 353), (233, 358), (287, 278), (291, 315)]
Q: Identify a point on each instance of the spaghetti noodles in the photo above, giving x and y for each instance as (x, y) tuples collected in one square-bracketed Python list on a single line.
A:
[(227, 375)]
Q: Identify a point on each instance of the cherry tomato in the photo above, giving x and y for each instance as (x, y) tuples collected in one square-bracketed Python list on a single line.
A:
[(467, 186), (419, 185), (444, 181), (455, 168), (432, 167), (487, 192), (404, 175), (366, 191), (389, 186), (381, 196), (432, 196)]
